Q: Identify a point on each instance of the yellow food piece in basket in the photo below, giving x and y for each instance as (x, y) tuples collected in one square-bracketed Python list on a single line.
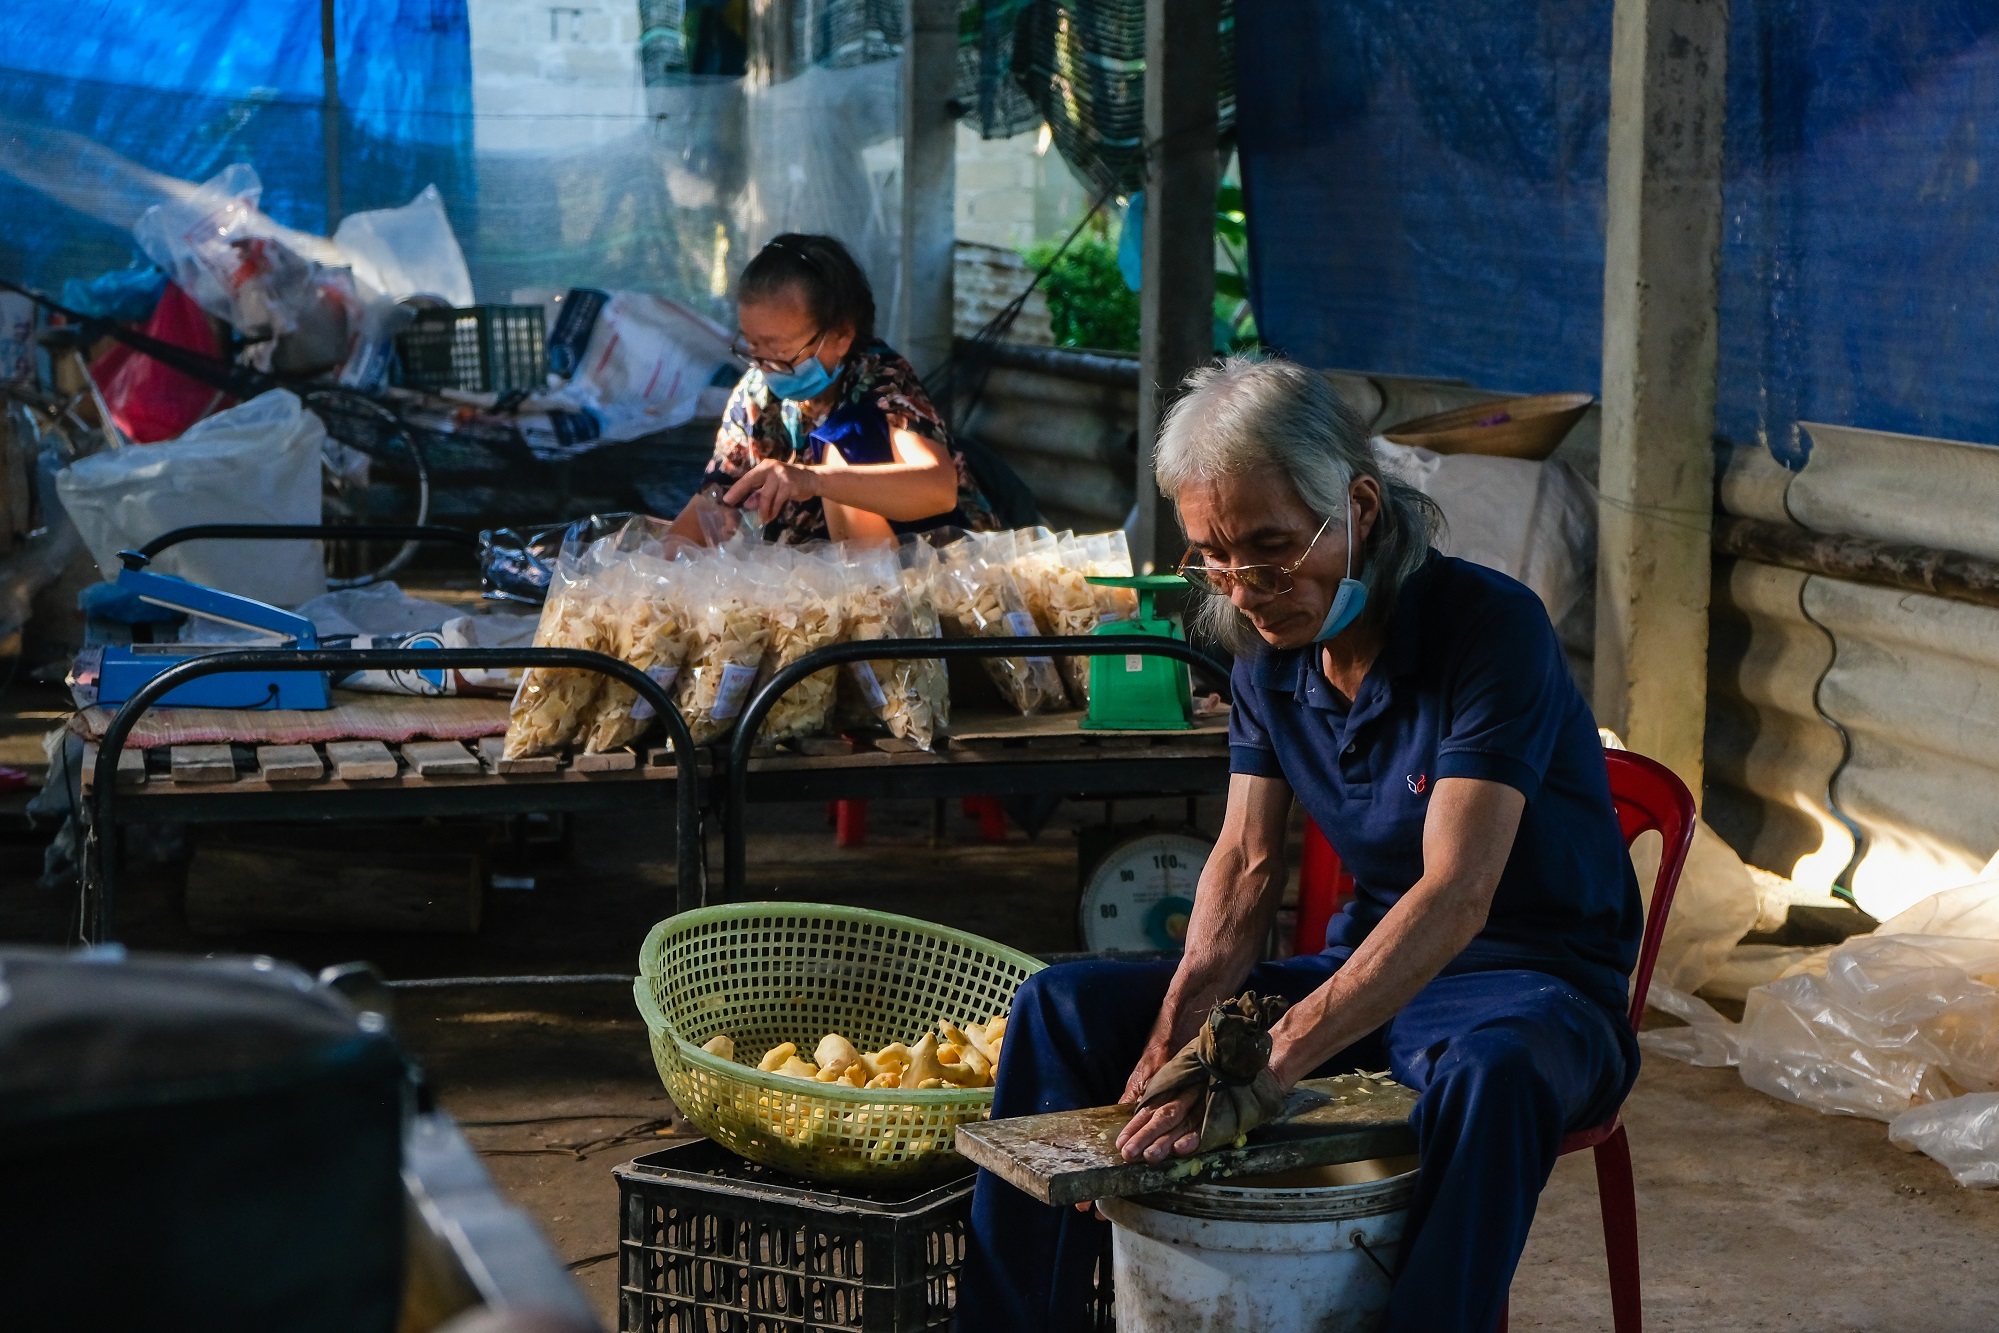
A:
[(968, 1057), (835, 1052)]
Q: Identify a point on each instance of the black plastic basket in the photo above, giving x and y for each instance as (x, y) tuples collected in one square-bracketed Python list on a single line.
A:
[(480, 349), (711, 1243)]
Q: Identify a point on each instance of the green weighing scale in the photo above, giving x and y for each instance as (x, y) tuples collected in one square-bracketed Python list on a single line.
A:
[(1140, 691)]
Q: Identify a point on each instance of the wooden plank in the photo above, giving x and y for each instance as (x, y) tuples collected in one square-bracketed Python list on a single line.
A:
[(361, 761), (492, 753), (1001, 727), (441, 759), (289, 763), (131, 766), (1072, 1157), (203, 763), (823, 745), (611, 761)]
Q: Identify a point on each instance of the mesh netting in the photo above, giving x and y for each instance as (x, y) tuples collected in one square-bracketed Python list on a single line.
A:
[(1079, 65), (995, 103)]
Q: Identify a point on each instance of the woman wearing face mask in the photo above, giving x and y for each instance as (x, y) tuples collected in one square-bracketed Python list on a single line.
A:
[(829, 434)]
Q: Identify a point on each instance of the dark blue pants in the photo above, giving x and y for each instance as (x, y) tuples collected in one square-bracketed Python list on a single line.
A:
[(1505, 1064)]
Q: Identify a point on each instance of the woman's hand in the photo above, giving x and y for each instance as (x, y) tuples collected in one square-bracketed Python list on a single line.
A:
[(771, 485)]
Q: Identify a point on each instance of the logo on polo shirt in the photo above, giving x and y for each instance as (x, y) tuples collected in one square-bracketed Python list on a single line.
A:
[(1417, 782)]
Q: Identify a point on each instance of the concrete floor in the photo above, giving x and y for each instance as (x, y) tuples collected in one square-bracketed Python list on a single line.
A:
[(1753, 1214)]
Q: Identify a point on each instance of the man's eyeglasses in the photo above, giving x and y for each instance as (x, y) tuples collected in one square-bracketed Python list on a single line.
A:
[(1271, 580), (774, 365)]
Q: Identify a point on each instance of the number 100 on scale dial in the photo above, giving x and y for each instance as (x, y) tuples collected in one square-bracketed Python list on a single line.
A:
[(1141, 895)]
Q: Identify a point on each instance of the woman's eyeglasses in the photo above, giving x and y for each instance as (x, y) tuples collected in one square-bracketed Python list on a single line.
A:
[(1270, 580), (773, 365)]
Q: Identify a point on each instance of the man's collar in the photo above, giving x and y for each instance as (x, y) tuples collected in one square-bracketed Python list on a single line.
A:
[(1402, 646), (1401, 650)]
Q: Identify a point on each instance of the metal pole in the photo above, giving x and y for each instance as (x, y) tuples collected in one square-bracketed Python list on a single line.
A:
[(1177, 291), (329, 111), (100, 861), (924, 296), (736, 788)]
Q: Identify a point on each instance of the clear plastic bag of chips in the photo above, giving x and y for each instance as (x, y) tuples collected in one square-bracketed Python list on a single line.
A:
[(909, 696), (1107, 554), (652, 632), (554, 704), (730, 632), (807, 612), (1072, 609), (980, 597)]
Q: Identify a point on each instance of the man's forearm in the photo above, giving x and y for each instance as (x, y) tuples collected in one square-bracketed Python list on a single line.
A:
[(1222, 947), (1418, 937)]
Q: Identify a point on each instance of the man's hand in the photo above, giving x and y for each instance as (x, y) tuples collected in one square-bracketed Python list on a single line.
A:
[(771, 485), (1162, 1131)]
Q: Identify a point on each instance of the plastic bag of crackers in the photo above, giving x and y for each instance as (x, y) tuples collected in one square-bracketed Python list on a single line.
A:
[(554, 705), (978, 596), (730, 629), (807, 608), (651, 630), (909, 696)]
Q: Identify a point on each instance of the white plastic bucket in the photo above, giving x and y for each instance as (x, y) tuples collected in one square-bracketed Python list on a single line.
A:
[(1287, 1253)]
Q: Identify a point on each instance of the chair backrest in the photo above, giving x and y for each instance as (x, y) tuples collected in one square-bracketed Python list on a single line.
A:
[(1648, 795)]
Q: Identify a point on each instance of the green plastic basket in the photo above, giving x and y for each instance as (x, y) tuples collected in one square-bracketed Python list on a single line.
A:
[(767, 973)]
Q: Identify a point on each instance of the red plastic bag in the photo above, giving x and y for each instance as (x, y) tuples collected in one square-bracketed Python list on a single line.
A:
[(152, 402)]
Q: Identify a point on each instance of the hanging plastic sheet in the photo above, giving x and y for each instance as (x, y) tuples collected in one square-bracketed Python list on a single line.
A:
[(665, 187), (109, 108), (1423, 206)]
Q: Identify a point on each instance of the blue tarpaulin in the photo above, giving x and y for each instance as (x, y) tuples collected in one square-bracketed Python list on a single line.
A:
[(1425, 195), (186, 87)]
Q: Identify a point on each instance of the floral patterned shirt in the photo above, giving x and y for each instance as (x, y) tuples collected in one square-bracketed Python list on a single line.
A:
[(877, 391)]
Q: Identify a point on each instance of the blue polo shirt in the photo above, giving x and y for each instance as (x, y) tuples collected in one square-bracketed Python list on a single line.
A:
[(1470, 683)]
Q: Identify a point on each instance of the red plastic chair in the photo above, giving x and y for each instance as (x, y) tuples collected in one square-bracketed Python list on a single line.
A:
[(1648, 796)]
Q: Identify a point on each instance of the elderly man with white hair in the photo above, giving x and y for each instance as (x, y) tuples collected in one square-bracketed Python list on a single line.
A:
[(1421, 711)]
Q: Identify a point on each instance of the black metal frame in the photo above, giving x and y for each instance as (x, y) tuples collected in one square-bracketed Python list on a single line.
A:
[(743, 738), (413, 532), (100, 852)]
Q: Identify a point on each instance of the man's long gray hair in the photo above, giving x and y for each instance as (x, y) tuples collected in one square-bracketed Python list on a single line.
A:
[(1270, 417)]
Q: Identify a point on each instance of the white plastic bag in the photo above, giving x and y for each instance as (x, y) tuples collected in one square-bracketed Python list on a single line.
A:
[(407, 251), (645, 367), (1962, 1134), (236, 263), (257, 463), (1533, 521)]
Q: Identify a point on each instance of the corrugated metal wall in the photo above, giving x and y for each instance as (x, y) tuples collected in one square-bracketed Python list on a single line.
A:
[(1833, 701)]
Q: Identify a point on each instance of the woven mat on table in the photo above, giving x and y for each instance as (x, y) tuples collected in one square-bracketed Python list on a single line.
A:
[(355, 716)]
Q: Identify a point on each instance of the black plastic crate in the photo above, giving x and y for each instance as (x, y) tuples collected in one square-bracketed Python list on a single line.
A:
[(480, 349), (711, 1243)]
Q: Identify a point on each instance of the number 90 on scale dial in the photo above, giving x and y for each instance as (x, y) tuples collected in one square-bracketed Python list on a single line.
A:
[(1140, 897)]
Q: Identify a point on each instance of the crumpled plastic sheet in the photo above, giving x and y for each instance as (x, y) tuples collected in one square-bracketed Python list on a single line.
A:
[(1894, 1021), (1962, 1134), (1898, 1026), (1901, 1025)]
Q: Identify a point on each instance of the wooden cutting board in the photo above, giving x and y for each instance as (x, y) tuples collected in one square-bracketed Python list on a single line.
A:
[(1071, 1156)]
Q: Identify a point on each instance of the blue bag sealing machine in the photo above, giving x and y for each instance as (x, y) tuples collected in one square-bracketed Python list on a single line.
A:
[(126, 667)]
